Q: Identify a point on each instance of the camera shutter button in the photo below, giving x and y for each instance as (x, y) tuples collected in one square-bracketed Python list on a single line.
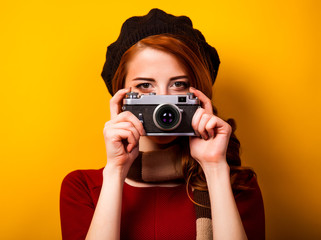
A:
[(132, 95)]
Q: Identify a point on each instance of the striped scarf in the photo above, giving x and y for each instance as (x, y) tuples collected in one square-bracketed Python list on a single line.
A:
[(165, 165)]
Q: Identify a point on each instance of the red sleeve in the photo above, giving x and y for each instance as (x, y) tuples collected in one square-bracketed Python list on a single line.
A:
[(251, 209), (76, 206)]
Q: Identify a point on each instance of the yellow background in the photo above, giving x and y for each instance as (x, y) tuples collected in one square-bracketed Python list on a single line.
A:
[(54, 103)]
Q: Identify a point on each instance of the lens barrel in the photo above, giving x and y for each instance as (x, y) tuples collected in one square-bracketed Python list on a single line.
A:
[(167, 116)]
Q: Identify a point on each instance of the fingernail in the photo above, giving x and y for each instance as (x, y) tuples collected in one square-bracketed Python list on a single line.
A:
[(129, 149), (212, 134), (205, 137)]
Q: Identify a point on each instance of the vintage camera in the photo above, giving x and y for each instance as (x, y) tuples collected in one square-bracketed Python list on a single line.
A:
[(163, 115)]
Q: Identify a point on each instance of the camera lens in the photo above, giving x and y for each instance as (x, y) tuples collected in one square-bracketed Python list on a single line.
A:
[(167, 116)]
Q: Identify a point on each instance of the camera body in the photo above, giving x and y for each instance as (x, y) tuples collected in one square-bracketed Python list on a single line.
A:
[(163, 115)]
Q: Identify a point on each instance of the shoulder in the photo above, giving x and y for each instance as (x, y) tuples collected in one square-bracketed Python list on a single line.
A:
[(243, 178), (78, 197), (82, 184), (245, 184), (248, 194), (91, 177)]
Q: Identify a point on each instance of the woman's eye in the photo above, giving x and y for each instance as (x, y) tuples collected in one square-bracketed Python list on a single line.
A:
[(143, 85), (180, 84)]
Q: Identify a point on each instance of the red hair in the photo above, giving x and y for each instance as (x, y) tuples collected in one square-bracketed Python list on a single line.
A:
[(199, 78)]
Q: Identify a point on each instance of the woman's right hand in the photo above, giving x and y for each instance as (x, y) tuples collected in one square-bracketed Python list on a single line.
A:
[(122, 134)]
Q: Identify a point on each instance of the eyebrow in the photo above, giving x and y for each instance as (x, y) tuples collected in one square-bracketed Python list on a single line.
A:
[(153, 80), (144, 79), (178, 77)]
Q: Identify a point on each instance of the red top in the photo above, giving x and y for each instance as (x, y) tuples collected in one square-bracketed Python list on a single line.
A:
[(147, 212)]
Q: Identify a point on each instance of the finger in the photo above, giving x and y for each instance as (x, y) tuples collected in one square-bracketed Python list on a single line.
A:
[(118, 133), (223, 127), (116, 102), (129, 137), (128, 126), (130, 117), (205, 101), (210, 126), (201, 126), (219, 126), (196, 119)]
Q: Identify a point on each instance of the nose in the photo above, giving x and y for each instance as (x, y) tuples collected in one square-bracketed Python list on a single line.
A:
[(162, 90)]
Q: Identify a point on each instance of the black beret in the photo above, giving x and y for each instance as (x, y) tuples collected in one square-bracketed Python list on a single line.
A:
[(154, 23)]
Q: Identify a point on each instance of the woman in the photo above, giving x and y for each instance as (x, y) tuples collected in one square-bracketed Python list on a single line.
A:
[(163, 187)]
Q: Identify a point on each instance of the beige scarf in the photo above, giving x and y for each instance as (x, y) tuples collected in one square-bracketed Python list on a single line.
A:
[(165, 165)]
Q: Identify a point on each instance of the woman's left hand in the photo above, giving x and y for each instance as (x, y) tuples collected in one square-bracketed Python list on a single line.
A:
[(215, 133)]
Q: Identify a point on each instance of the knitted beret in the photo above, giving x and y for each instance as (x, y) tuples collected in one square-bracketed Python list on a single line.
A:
[(156, 22)]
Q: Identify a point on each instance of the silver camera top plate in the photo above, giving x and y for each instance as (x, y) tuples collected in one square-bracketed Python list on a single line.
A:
[(133, 98)]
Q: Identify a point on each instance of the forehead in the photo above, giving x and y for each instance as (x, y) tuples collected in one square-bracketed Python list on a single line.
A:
[(149, 61)]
